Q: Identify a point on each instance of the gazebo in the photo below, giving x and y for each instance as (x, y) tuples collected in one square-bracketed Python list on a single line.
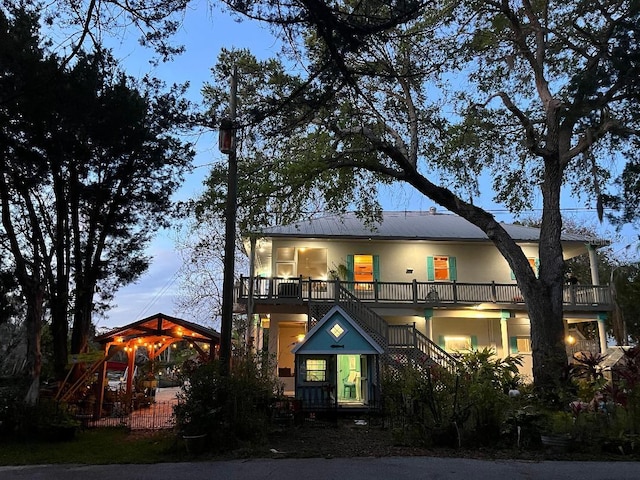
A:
[(155, 333)]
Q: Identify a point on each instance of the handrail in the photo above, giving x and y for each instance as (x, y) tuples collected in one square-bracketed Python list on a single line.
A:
[(369, 319), (409, 336), (417, 293)]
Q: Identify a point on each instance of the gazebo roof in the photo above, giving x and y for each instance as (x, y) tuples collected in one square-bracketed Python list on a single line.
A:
[(160, 325)]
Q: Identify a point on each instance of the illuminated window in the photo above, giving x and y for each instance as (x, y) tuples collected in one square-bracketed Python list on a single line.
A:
[(337, 331), (312, 263), (534, 263), (316, 370), (441, 268), (286, 254), (363, 268), (521, 344), (458, 343)]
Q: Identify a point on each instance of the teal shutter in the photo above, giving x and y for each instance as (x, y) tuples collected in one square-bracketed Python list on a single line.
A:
[(513, 344), (474, 342), (349, 268), (376, 268), (431, 272), (453, 271), (537, 264), (513, 275), (441, 341)]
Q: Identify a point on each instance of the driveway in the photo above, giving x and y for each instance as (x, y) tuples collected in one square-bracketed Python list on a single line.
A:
[(396, 468)]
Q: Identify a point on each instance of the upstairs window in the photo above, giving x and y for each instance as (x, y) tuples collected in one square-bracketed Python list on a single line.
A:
[(441, 268), (363, 268), (534, 263)]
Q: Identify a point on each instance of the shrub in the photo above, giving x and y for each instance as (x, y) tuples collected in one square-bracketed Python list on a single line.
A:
[(433, 407), (229, 409)]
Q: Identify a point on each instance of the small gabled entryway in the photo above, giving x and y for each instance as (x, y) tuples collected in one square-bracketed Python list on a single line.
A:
[(337, 365)]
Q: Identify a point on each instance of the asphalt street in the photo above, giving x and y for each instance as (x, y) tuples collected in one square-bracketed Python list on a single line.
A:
[(396, 468)]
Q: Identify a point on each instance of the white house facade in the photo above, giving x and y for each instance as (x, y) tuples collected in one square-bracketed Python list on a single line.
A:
[(419, 285)]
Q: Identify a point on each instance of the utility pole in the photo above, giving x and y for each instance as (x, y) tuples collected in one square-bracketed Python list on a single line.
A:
[(228, 145)]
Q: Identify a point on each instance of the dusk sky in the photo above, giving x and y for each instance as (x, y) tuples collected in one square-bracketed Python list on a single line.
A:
[(204, 33)]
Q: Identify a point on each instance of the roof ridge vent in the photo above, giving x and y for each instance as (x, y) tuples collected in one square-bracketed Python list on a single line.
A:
[(432, 210)]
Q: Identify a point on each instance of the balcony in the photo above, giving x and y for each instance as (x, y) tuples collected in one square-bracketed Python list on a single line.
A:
[(277, 291)]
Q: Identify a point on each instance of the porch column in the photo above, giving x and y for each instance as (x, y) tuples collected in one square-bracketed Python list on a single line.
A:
[(504, 332), (428, 317), (593, 264), (251, 328), (131, 365), (602, 331)]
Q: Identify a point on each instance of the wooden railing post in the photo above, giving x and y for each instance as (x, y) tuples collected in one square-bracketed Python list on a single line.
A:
[(455, 292), (572, 294), (414, 291), (494, 293)]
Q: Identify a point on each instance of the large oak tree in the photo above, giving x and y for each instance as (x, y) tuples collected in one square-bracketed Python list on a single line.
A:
[(539, 96)]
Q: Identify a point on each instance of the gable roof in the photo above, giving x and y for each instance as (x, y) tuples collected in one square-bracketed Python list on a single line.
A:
[(159, 325), (352, 340), (406, 226)]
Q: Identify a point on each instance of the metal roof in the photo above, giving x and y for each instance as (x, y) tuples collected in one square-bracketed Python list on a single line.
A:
[(409, 225)]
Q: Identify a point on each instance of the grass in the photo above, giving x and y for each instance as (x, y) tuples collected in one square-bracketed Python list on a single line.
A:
[(95, 446)]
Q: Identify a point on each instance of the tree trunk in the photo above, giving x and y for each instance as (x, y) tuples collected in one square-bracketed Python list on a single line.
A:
[(33, 322), (545, 303), (60, 336), (543, 295), (82, 319)]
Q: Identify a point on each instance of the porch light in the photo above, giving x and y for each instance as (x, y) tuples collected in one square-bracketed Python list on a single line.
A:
[(226, 136), (300, 337), (570, 340)]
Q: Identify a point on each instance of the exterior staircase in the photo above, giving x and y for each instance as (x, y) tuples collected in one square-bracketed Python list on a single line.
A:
[(404, 345)]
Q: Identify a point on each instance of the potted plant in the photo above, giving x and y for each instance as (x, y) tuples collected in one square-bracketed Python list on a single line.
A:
[(558, 434)]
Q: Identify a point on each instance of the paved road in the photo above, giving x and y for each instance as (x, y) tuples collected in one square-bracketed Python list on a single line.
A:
[(395, 468)]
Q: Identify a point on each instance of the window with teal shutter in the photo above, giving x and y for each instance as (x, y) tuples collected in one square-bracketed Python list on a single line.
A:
[(453, 273), (441, 342), (376, 268), (513, 344), (431, 272), (349, 268), (474, 342), (535, 266), (446, 269)]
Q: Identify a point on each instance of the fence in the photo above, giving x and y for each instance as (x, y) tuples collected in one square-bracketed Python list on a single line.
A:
[(156, 416)]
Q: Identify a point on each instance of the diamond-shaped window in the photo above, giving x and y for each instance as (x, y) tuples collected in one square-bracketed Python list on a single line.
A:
[(337, 331)]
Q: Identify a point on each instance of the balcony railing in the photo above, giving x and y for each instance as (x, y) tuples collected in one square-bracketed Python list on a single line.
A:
[(298, 290)]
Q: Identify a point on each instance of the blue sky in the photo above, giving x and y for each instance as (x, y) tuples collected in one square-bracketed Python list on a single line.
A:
[(205, 33)]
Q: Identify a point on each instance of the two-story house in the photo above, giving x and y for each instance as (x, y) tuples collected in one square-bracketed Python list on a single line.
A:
[(336, 300)]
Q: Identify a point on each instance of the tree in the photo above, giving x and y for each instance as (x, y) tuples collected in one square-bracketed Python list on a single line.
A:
[(543, 95), (90, 162)]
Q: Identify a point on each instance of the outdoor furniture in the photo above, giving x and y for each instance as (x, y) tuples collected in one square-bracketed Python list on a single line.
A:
[(350, 384)]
